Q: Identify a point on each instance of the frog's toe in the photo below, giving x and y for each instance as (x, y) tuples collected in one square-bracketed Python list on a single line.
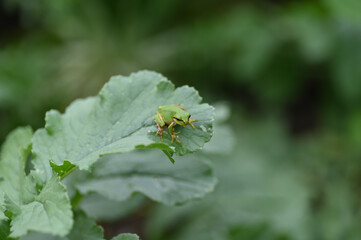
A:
[(176, 140), (174, 137), (190, 122)]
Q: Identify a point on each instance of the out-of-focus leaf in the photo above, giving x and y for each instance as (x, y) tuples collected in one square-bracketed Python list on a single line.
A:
[(344, 68), (310, 29), (256, 186), (119, 120), (101, 208), (117, 177), (331, 168), (223, 140), (222, 111), (4, 230), (41, 236), (126, 236), (85, 228), (354, 128), (2, 206), (347, 10)]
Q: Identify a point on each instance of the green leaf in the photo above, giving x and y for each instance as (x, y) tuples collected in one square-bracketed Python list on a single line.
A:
[(117, 177), (126, 236), (257, 185), (47, 210), (4, 230), (17, 186), (84, 228), (103, 209), (50, 212), (63, 170), (222, 142), (119, 119), (41, 236), (2, 206)]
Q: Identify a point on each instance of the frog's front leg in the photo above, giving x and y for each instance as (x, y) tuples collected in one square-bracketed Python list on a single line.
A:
[(190, 122), (160, 131), (172, 133), (160, 124)]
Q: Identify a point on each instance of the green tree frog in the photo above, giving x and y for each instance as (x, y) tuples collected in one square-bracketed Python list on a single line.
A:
[(169, 116)]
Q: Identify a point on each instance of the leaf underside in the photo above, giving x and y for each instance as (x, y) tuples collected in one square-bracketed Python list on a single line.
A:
[(117, 177)]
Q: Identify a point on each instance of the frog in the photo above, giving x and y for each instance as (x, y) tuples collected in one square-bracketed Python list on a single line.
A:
[(170, 116)]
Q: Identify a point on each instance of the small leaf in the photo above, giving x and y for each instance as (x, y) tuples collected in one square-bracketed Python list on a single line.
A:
[(117, 177), (119, 119), (63, 170)]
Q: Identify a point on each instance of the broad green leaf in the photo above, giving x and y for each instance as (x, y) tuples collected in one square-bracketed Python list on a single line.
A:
[(119, 119), (47, 210), (126, 236), (50, 212), (17, 186), (84, 228), (117, 177)]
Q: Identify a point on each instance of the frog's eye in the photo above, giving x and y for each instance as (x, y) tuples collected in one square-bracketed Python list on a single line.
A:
[(179, 119)]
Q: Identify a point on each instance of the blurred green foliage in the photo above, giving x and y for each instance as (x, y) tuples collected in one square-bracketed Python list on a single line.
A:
[(296, 176)]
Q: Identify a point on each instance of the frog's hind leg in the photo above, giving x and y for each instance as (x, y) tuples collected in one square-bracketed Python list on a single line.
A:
[(178, 105)]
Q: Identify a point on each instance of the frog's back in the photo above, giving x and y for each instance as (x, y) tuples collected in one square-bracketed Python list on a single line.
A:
[(169, 111), (171, 108)]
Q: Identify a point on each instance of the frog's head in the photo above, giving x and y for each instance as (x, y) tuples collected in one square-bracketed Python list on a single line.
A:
[(181, 118)]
